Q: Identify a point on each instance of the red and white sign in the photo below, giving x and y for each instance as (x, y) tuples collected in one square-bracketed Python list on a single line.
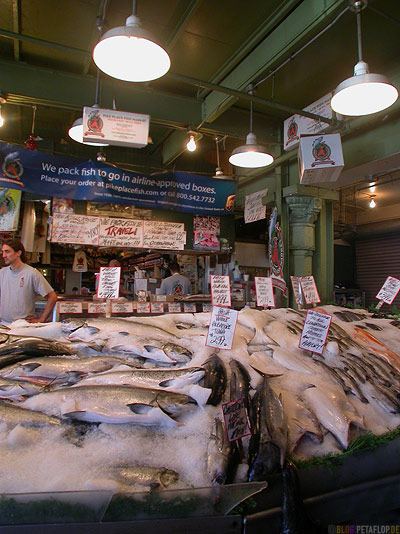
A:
[(108, 283), (220, 290), (315, 331), (264, 291), (121, 307), (174, 307), (98, 307), (389, 290), (70, 306), (309, 289), (143, 307), (222, 328), (189, 307), (157, 307)]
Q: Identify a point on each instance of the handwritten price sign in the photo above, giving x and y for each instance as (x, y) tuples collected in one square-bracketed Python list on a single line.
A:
[(315, 331), (264, 291), (108, 287), (235, 419), (309, 289), (389, 290), (220, 290), (222, 328), (70, 307)]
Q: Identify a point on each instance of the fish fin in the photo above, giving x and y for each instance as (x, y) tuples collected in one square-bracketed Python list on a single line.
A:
[(167, 383), (140, 408), (29, 367), (266, 374)]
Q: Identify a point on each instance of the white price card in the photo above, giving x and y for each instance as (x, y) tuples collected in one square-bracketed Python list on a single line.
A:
[(264, 291), (389, 290), (98, 307), (253, 206), (108, 286), (235, 419), (70, 306), (143, 307), (296, 286), (189, 307), (315, 331), (157, 307), (121, 307), (174, 307), (207, 307), (309, 289), (222, 328), (220, 290)]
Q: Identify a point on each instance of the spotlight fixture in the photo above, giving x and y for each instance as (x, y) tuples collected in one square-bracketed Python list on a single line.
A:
[(364, 93), (372, 203), (101, 157), (251, 155), (219, 173), (130, 53), (76, 130), (191, 144)]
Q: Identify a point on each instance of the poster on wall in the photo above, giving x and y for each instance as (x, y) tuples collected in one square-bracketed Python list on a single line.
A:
[(10, 204), (205, 233), (77, 179)]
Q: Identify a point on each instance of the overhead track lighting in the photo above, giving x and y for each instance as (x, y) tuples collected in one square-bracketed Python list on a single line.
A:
[(76, 130), (191, 144), (130, 53), (364, 93), (251, 155)]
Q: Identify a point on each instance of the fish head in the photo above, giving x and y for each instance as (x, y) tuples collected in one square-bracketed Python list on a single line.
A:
[(175, 404), (70, 324), (177, 353)]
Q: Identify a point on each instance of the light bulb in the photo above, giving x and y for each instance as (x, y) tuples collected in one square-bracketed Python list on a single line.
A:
[(191, 145), (372, 187), (372, 204), (1, 119)]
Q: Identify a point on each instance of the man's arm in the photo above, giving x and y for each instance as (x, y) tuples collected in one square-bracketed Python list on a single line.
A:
[(51, 300)]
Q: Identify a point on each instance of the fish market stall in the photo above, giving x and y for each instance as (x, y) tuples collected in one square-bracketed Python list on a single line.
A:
[(131, 406)]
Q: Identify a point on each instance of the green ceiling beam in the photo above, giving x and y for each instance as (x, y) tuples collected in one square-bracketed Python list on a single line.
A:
[(71, 91), (303, 23)]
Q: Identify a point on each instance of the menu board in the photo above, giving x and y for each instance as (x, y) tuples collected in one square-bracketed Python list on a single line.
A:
[(264, 291), (122, 307), (389, 290), (309, 289), (220, 290), (71, 228), (164, 235), (120, 232), (108, 285), (222, 328), (69, 306), (315, 331)]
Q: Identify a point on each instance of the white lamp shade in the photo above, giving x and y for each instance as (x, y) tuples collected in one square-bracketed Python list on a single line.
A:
[(363, 94), (127, 53), (76, 133), (250, 155)]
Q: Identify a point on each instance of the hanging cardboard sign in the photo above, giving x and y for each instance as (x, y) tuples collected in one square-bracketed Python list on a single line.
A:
[(108, 284), (253, 207), (70, 306), (309, 289), (264, 291), (222, 328), (120, 128), (320, 158), (220, 290), (389, 290), (164, 235), (236, 420), (71, 228), (127, 233), (315, 331)]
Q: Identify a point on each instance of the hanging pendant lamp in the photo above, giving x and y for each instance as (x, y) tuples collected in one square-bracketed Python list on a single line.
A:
[(219, 173), (251, 155), (130, 53), (364, 93)]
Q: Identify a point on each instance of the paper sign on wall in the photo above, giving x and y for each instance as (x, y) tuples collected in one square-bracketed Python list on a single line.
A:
[(108, 285), (222, 328), (309, 289), (389, 290), (235, 419), (253, 207), (315, 331), (220, 290), (70, 307), (264, 291)]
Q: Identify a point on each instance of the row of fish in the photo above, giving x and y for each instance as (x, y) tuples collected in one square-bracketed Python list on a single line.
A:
[(156, 378)]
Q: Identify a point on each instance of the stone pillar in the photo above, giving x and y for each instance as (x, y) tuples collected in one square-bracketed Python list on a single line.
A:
[(303, 212)]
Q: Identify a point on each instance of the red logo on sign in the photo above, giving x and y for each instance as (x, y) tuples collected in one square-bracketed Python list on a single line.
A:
[(21, 282)]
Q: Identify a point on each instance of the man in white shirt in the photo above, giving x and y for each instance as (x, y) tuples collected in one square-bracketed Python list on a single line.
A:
[(20, 285), (176, 284)]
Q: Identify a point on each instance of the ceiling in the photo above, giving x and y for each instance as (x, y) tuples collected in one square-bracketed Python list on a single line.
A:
[(294, 51)]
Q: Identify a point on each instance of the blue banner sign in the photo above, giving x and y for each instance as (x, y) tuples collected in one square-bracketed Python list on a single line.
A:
[(48, 175)]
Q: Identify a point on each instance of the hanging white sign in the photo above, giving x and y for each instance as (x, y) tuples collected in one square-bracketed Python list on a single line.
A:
[(164, 235), (389, 290), (120, 232), (253, 207), (222, 328), (120, 128), (108, 285), (220, 290), (297, 125), (315, 331), (71, 228), (264, 291)]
